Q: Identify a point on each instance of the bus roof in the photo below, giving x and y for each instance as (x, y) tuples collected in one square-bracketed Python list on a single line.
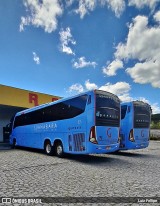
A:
[(136, 102)]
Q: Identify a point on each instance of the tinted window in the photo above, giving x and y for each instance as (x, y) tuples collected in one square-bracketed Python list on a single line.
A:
[(107, 110), (63, 110), (142, 116)]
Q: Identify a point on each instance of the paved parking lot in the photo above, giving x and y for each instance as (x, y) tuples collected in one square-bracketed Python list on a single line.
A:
[(30, 173)]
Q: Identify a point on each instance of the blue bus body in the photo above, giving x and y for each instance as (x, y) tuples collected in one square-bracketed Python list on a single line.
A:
[(84, 124), (135, 125)]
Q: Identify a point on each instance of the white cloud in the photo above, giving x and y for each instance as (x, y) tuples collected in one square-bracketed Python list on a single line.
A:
[(142, 44), (118, 88), (76, 88), (117, 6), (41, 14), (147, 72), (66, 39), (157, 16), (121, 89), (85, 6), (125, 97), (36, 58), (69, 2), (155, 108), (143, 99), (24, 22), (81, 63), (142, 3), (90, 86), (111, 69)]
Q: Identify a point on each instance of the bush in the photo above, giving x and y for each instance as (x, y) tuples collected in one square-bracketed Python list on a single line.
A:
[(155, 125)]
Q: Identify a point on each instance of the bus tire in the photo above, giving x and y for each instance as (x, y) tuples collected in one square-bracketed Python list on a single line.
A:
[(59, 149), (48, 148)]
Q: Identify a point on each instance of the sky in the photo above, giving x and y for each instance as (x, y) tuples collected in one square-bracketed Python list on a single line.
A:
[(67, 47)]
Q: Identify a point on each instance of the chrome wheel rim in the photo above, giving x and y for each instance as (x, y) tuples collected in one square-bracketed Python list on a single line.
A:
[(59, 150), (48, 148)]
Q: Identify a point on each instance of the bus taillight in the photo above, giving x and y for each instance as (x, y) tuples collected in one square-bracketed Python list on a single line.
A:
[(92, 136), (131, 136)]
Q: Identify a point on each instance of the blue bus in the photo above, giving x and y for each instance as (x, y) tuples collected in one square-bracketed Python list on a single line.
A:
[(83, 124), (135, 125)]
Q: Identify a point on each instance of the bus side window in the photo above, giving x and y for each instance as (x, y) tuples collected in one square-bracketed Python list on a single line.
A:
[(89, 100), (129, 109)]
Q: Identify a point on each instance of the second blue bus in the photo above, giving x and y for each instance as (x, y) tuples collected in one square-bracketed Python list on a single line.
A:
[(135, 125)]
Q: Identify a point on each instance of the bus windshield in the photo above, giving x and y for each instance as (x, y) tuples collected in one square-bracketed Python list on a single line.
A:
[(107, 110), (141, 116)]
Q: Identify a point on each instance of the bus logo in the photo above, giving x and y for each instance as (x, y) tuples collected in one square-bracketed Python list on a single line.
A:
[(109, 133), (6, 200)]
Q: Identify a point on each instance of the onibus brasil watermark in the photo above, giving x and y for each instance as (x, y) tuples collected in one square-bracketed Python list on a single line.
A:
[(38, 200)]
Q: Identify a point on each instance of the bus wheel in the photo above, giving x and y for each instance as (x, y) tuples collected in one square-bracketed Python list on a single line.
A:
[(59, 149), (48, 148)]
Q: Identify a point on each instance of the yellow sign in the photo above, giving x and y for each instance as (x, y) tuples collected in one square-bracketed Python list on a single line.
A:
[(22, 98)]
